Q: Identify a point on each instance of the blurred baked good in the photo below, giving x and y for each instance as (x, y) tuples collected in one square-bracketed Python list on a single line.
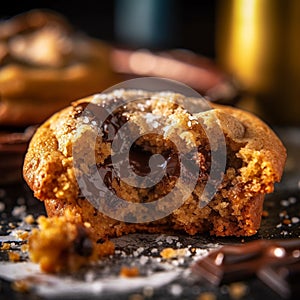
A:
[(13, 146), (197, 71), (45, 64), (255, 159)]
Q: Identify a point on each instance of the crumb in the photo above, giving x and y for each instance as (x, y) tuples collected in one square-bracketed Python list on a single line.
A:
[(207, 296), (129, 271), (148, 291), (168, 253), (292, 200), (193, 250), (20, 286), (11, 225), (286, 221), (24, 248), (284, 203), (237, 290), (18, 211), (295, 220), (14, 256), (265, 213), (22, 234), (5, 246), (136, 297), (63, 244), (284, 232), (283, 214), (29, 219), (154, 250), (176, 289)]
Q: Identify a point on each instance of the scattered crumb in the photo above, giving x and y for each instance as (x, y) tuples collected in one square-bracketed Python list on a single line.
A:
[(18, 211), (138, 251), (20, 286), (292, 200), (237, 290), (148, 291), (265, 213), (5, 246), (168, 253), (207, 296), (176, 289), (284, 232), (295, 220), (129, 271), (14, 256), (284, 203), (22, 234), (29, 219), (170, 239), (25, 248), (286, 221), (11, 225), (136, 297)]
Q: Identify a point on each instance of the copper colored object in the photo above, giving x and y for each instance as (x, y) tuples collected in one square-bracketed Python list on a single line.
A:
[(196, 71)]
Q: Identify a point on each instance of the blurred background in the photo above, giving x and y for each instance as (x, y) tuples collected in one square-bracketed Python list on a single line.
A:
[(256, 42), (156, 24)]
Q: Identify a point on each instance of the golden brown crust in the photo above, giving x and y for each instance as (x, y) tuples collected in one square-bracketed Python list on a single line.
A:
[(257, 135), (256, 160)]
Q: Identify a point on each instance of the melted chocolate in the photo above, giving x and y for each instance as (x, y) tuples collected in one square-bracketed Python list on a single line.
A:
[(139, 160), (139, 156), (110, 123)]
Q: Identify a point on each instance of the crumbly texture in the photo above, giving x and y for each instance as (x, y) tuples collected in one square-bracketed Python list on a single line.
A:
[(65, 244), (46, 64), (255, 160)]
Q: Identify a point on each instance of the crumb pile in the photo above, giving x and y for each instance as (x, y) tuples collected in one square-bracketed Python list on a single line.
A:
[(64, 243)]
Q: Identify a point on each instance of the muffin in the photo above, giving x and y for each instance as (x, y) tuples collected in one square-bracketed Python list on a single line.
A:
[(211, 167), (45, 64)]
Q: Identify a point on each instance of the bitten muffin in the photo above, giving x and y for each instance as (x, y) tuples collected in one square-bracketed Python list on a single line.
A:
[(45, 64), (254, 161)]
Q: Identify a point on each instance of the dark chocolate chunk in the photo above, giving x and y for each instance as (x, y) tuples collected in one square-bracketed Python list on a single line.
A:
[(276, 263), (83, 245)]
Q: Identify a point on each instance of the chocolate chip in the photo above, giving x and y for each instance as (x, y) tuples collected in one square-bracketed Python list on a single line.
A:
[(83, 245)]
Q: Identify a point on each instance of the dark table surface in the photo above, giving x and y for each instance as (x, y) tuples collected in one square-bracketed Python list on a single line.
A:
[(142, 250)]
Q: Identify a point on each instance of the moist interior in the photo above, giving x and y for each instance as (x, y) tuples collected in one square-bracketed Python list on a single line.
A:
[(147, 145)]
